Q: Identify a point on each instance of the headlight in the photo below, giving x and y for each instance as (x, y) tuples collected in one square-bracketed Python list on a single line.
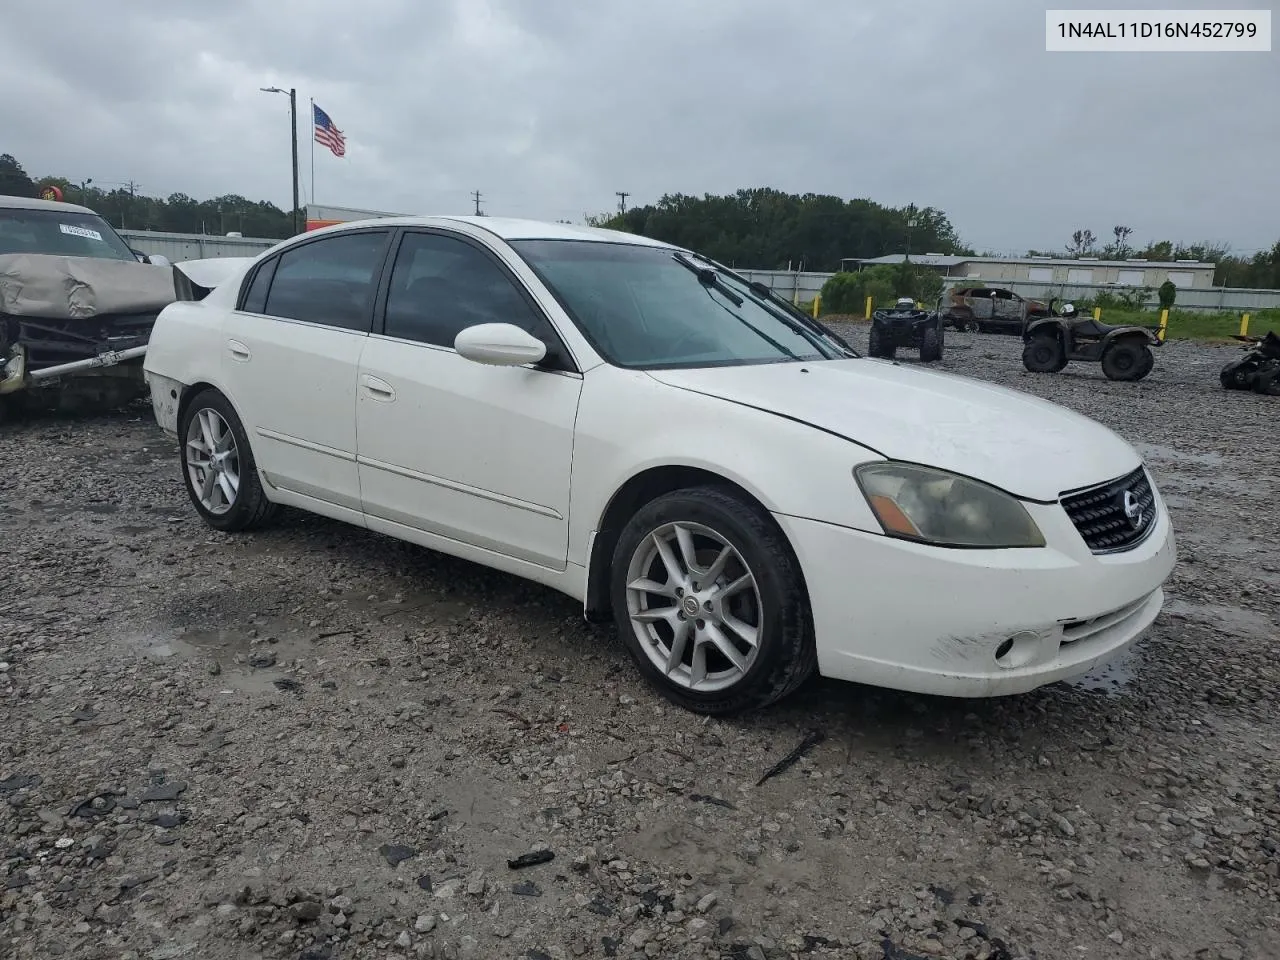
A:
[(934, 506)]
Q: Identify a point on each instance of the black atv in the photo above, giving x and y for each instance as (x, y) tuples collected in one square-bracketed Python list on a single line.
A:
[(1258, 370), (905, 326), (1052, 342)]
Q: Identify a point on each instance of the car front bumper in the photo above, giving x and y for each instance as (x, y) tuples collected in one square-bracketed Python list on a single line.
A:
[(896, 614)]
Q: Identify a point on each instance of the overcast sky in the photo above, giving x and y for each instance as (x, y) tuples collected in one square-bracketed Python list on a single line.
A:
[(550, 106)]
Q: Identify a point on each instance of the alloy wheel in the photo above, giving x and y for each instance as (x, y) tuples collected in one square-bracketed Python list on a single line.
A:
[(694, 605), (213, 461)]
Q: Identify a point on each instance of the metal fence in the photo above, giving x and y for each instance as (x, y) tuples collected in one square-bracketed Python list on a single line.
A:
[(803, 287), (194, 246), (797, 286)]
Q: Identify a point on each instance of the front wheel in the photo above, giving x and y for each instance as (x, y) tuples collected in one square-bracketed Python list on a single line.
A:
[(931, 344), (710, 602), (1234, 376), (878, 347), (218, 468), (1127, 360), (1044, 354)]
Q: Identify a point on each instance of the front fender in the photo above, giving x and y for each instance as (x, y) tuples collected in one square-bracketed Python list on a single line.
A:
[(629, 423), (1036, 326)]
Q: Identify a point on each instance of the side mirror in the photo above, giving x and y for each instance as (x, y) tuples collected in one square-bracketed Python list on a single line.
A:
[(159, 260), (499, 344)]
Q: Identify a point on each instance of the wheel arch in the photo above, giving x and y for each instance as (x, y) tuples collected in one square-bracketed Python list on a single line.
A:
[(193, 390), (642, 488), (1043, 326), (1139, 335)]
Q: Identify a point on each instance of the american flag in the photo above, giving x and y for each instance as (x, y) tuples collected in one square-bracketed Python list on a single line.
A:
[(327, 134)]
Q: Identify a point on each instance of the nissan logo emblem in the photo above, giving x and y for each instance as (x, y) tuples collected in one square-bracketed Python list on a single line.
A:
[(1132, 509)]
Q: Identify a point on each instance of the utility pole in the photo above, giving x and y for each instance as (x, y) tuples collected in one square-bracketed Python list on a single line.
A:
[(133, 192), (622, 202), (476, 195), (293, 123)]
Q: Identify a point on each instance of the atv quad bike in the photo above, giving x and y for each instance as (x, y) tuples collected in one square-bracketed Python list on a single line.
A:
[(1054, 341), (905, 326), (1258, 370)]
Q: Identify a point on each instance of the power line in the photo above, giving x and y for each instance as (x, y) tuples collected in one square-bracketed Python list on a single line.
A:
[(622, 201), (476, 195)]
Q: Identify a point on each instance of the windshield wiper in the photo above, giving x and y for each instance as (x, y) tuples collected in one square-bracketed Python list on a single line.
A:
[(787, 312), (708, 278), (767, 293), (752, 327)]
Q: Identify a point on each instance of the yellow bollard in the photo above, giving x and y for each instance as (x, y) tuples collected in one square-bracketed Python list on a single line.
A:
[(816, 301), (868, 308), (1244, 325), (1097, 313), (1164, 323)]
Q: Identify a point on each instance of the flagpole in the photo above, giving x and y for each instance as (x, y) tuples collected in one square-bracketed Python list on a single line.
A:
[(313, 150)]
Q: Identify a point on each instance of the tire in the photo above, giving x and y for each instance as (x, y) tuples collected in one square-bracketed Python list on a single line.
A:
[(931, 345), (775, 602), (1234, 376), (247, 507), (877, 348), (1127, 360), (1149, 365), (1044, 354), (1268, 383)]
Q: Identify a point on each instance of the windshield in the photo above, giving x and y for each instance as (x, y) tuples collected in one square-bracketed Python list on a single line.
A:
[(64, 234), (647, 308)]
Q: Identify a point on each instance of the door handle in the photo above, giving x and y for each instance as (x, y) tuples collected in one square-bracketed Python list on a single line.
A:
[(238, 350), (379, 390)]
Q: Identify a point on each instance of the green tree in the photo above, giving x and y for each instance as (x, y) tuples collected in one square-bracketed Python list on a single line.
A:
[(1168, 294), (14, 181)]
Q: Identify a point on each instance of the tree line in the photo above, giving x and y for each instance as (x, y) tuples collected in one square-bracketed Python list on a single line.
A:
[(761, 228), (127, 209)]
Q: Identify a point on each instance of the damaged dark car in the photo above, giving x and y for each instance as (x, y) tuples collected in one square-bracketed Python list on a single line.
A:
[(77, 305)]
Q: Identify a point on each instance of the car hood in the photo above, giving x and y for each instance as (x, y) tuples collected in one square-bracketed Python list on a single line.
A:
[(1027, 446)]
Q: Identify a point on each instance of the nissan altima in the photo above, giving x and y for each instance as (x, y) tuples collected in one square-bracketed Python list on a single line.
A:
[(630, 423)]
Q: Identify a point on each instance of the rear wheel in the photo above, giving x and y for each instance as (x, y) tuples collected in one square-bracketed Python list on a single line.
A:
[(931, 344), (218, 468), (1268, 382), (709, 599), (1127, 360), (879, 346), (1044, 354)]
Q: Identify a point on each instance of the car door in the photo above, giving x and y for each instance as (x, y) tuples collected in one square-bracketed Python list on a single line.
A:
[(291, 357), (474, 453)]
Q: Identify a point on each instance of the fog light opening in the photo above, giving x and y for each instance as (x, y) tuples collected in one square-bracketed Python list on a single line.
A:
[(1020, 650)]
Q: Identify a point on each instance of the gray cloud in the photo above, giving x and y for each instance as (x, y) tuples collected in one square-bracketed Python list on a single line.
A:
[(549, 106)]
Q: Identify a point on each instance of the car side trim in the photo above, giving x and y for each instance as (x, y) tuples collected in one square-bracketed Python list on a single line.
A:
[(305, 444), (483, 494)]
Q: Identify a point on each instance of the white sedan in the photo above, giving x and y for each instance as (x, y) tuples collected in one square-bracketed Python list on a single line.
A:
[(640, 428)]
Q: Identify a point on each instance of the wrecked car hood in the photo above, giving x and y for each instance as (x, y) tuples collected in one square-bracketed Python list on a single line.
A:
[(1020, 443), (73, 288)]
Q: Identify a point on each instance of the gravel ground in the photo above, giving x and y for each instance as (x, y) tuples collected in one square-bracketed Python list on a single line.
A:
[(318, 743)]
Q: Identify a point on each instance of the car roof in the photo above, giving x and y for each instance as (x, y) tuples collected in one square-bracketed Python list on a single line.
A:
[(511, 228), (35, 203)]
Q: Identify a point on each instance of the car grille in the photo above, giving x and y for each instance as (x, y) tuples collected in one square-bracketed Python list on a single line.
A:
[(1114, 516)]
